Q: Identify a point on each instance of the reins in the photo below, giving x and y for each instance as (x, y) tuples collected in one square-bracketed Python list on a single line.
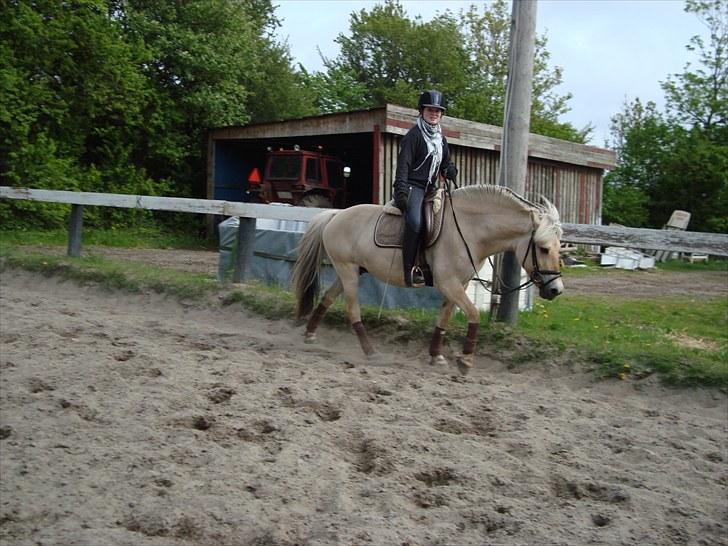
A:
[(531, 249)]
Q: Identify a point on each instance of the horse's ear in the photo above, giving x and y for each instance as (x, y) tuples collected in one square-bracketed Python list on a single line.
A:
[(549, 206)]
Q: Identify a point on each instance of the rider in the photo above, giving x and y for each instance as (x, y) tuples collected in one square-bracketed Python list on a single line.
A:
[(423, 155)]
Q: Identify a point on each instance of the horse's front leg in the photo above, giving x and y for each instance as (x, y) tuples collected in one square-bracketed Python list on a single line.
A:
[(328, 299), (438, 336), (455, 294)]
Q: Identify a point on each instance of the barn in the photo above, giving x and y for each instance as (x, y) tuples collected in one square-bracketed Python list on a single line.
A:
[(567, 173)]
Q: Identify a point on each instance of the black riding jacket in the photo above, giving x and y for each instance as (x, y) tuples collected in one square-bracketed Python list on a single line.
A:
[(412, 151)]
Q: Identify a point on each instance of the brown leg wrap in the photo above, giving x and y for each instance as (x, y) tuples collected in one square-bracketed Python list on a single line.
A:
[(436, 344), (313, 322), (363, 338), (472, 337)]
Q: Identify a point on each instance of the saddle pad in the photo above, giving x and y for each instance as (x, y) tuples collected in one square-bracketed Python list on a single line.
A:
[(389, 228)]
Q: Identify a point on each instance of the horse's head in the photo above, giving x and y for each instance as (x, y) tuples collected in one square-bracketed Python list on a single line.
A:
[(539, 253)]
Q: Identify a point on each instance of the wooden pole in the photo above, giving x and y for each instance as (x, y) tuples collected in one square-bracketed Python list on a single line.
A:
[(245, 245), (516, 126), (75, 227)]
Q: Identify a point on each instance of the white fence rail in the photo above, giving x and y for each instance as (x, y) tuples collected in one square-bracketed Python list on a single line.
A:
[(172, 204), (715, 244)]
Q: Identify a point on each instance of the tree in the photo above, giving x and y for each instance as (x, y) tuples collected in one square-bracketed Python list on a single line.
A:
[(212, 63), (394, 58), (637, 132), (117, 95), (335, 90), (699, 98), (677, 160), (71, 100), (487, 38)]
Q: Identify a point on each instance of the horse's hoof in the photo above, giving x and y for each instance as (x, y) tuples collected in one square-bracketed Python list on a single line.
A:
[(374, 356), (438, 360), (309, 337), (465, 363)]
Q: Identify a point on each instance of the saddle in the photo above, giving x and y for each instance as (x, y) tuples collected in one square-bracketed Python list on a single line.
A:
[(389, 229)]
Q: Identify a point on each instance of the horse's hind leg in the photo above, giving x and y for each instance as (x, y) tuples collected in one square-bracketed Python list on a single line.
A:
[(438, 336), (349, 275), (328, 299)]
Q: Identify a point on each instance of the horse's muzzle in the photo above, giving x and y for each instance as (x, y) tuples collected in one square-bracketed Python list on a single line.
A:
[(550, 286)]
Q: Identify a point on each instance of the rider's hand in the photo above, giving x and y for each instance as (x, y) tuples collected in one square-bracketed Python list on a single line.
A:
[(451, 172), (401, 194)]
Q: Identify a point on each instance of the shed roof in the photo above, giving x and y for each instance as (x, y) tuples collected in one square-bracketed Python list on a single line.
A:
[(398, 119)]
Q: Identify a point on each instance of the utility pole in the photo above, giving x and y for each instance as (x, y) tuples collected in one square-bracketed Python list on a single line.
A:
[(516, 126)]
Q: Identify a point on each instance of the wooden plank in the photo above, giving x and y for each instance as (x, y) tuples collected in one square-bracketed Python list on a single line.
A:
[(173, 204), (715, 244)]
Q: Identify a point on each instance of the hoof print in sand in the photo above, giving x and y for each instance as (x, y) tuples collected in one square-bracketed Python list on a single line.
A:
[(437, 477), (220, 393), (372, 459), (569, 489), (36, 384)]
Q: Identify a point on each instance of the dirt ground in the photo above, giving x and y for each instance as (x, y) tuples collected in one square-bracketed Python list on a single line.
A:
[(135, 420)]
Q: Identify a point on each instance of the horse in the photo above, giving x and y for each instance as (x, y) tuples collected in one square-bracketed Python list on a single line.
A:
[(479, 221)]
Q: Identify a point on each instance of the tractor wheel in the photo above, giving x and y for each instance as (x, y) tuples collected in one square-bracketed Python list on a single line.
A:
[(316, 200)]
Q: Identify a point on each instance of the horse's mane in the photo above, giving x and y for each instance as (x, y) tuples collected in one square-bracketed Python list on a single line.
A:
[(549, 220)]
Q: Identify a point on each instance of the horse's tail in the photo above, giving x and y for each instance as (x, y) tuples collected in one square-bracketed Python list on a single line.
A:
[(308, 265)]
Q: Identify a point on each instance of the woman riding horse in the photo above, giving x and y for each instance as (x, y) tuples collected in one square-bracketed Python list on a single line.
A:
[(493, 219), (423, 155)]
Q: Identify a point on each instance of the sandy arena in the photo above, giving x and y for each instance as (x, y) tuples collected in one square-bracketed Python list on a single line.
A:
[(136, 420)]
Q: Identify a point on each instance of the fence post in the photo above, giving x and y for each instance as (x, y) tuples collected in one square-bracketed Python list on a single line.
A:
[(245, 245), (75, 227)]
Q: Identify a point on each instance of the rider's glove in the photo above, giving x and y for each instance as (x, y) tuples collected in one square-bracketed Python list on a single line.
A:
[(401, 194), (451, 172)]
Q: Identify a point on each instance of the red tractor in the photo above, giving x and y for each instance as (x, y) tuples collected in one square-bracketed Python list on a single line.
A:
[(302, 178)]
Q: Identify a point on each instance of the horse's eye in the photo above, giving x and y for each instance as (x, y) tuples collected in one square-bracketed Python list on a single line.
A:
[(544, 250)]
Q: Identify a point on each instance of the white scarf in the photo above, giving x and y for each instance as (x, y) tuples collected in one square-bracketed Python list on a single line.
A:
[(433, 139)]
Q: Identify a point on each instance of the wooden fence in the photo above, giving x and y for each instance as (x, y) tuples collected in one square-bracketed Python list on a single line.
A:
[(715, 244)]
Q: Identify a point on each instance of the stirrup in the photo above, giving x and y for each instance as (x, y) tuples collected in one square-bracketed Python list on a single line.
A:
[(417, 277)]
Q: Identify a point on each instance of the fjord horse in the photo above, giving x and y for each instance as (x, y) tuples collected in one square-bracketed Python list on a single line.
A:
[(479, 221)]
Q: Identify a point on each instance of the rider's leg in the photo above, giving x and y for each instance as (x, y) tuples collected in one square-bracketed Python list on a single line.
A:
[(411, 238)]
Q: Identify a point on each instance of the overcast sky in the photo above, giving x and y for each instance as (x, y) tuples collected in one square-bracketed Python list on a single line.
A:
[(609, 49)]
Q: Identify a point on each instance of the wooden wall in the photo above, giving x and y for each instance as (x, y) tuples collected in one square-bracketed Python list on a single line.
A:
[(566, 173), (575, 190)]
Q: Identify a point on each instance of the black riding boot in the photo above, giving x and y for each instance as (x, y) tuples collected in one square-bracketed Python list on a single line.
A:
[(412, 274)]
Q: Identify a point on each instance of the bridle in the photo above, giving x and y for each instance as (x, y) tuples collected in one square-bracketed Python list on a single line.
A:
[(537, 274)]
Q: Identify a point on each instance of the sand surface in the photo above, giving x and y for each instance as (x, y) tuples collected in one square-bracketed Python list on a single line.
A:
[(135, 420)]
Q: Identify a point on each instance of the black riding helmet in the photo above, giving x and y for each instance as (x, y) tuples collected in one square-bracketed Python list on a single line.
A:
[(433, 99)]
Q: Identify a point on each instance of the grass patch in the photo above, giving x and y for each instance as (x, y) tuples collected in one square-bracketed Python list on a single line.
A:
[(112, 274), (680, 265), (684, 341), (681, 339), (134, 237)]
